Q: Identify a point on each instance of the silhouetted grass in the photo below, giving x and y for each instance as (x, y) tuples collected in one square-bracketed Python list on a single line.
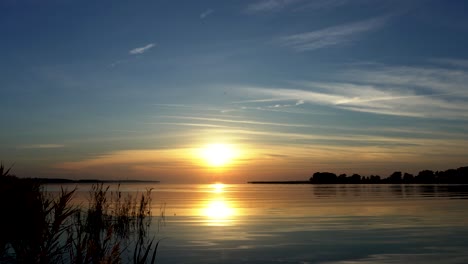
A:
[(37, 227)]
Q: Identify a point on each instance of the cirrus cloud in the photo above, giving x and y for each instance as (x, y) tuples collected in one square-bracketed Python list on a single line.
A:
[(331, 36), (141, 50)]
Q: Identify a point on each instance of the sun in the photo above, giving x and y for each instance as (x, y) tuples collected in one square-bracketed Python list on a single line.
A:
[(218, 155)]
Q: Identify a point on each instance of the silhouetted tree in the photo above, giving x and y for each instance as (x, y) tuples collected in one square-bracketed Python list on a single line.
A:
[(395, 177), (342, 178), (462, 175), (355, 178), (324, 178), (375, 179), (408, 178), (425, 176), (446, 176), (453, 176)]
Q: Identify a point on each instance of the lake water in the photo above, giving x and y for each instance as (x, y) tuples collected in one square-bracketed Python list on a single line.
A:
[(244, 223)]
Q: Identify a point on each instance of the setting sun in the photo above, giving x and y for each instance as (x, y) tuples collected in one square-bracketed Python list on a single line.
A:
[(218, 155)]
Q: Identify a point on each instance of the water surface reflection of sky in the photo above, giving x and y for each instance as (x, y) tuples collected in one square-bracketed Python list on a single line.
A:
[(311, 224)]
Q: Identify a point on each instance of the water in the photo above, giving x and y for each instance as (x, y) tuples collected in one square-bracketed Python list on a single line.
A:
[(310, 223)]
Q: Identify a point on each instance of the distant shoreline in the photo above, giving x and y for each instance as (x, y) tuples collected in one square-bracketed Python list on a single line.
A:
[(279, 182), (52, 181), (450, 176), (366, 183)]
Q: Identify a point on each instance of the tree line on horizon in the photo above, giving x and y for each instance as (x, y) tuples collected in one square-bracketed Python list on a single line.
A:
[(450, 176)]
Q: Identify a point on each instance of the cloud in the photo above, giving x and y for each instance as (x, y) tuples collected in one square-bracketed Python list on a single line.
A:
[(230, 120), (118, 62), (206, 13), (144, 163), (429, 79), (324, 4), (188, 124), (41, 146), (373, 100), (300, 102), (127, 157), (331, 36), (240, 124), (269, 5), (279, 105), (141, 50), (363, 137), (452, 62), (401, 91)]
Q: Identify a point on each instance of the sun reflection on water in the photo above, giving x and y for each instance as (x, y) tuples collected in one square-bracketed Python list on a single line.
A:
[(218, 187), (217, 210)]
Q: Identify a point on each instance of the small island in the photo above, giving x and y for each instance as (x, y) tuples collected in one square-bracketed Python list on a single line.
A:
[(450, 176)]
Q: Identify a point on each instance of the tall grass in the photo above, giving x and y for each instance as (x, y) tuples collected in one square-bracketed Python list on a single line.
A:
[(38, 227)]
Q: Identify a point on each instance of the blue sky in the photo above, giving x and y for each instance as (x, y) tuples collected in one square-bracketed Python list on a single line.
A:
[(132, 89)]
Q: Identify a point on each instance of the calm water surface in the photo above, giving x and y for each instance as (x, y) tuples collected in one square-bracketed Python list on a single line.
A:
[(244, 223)]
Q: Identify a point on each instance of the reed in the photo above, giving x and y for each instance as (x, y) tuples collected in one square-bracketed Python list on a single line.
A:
[(41, 228)]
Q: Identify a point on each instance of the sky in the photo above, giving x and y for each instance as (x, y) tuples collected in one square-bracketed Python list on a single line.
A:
[(139, 89)]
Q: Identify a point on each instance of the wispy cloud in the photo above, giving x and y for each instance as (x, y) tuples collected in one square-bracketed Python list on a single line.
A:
[(401, 91), (323, 4), (117, 62), (128, 159), (269, 5), (281, 105), (428, 79), (363, 138), (289, 110), (141, 50), (41, 146), (206, 13), (179, 161), (299, 102), (331, 36), (250, 122), (397, 132), (452, 62), (188, 124)]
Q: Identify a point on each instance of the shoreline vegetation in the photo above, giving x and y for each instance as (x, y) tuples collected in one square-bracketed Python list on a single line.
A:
[(450, 176), (42, 227)]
